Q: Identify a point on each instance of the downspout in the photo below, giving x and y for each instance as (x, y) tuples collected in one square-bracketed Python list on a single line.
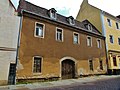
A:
[(18, 44), (104, 34)]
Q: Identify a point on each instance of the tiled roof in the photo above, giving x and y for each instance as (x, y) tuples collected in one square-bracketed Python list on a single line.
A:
[(27, 6)]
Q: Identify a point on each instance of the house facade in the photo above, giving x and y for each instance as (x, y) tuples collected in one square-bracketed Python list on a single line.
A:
[(109, 25), (52, 45), (9, 28)]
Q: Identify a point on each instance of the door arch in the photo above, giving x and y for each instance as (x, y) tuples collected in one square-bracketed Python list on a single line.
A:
[(67, 69)]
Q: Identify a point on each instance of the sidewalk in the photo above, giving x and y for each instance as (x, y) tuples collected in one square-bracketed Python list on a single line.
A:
[(57, 83)]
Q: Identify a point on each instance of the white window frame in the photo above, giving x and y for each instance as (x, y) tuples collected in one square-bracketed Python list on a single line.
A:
[(89, 27), (91, 41), (56, 34), (35, 73), (78, 37), (43, 30), (51, 14), (98, 43)]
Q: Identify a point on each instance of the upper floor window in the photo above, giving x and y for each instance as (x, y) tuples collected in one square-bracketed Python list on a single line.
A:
[(76, 38), (109, 22), (98, 43), (59, 34), (89, 41), (37, 63), (53, 14), (111, 38), (39, 30), (117, 25), (89, 27), (91, 64), (119, 41), (71, 20)]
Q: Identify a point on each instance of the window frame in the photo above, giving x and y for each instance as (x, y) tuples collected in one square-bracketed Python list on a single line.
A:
[(43, 30), (87, 41), (89, 26), (90, 65), (117, 25), (112, 39), (34, 73), (99, 43), (118, 40), (101, 68), (56, 34), (114, 63), (77, 38), (51, 14), (109, 22)]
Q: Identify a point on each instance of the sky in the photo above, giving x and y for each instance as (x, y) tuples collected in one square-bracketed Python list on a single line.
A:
[(71, 7)]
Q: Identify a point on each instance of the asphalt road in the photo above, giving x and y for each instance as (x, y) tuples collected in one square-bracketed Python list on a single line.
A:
[(110, 84)]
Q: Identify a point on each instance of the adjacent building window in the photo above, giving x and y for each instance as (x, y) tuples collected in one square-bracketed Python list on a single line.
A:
[(98, 43), (91, 64), (111, 38), (89, 41), (101, 64), (119, 41), (114, 61), (117, 25), (109, 22), (39, 30), (76, 38), (37, 65), (89, 27), (59, 34)]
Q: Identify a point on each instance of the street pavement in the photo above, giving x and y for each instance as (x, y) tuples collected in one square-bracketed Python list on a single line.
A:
[(102, 82)]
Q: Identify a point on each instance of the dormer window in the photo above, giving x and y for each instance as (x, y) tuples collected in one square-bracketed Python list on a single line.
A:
[(52, 13), (89, 27), (71, 20)]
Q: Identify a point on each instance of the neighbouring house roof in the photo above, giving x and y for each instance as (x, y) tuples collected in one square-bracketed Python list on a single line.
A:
[(28, 7), (12, 4)]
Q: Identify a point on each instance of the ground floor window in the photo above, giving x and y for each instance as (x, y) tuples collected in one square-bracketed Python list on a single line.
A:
[(91, 64), (114, 61), (37, 65), (101, 64)]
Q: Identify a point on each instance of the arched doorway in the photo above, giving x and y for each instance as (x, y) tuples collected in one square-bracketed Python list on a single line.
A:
[(67, 69)]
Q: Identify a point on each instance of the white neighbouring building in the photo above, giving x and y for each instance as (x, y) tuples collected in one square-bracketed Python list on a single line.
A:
[(9, 31)]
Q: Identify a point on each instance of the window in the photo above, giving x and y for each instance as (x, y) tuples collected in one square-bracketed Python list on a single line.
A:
[(114, 61), (101, 64), (89, 41), (37, 65), (111, 38), (91, 64), (117, 25), (39, 30), (89, 27), (71, 20), (59, 34), (109, 22), (76, 38), (53, 13), (119, 41), (99, 43)]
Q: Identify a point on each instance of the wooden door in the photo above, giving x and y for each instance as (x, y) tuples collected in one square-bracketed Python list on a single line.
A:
[(68, 69)]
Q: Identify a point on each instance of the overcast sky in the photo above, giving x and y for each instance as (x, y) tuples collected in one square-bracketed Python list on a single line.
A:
[(71, 7)]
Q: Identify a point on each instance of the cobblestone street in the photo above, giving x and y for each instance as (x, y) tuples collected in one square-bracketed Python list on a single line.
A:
[(111, 84)]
